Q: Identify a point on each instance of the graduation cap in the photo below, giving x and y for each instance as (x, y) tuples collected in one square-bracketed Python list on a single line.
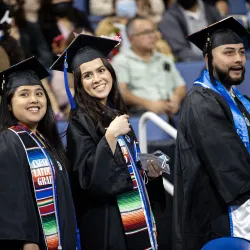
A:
[(226, 31), (84, 48), (27, 72)]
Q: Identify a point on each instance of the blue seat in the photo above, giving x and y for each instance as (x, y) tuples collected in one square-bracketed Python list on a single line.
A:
[(80, 4), (237, 7), (227, 243), (190, 71)]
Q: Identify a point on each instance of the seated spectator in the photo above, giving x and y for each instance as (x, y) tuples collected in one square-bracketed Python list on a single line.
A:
[(59, 18), (114, 25), (183, 18), (10, 45), (27, 30), (148, 79), (149, 8), (221, 5)]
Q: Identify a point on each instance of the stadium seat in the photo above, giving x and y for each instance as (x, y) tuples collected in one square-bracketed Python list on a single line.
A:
[(80, 4), (237, 7), (190, 71), (227, 243)]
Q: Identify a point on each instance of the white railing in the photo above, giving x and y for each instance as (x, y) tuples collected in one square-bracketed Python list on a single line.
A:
[(143, 138)]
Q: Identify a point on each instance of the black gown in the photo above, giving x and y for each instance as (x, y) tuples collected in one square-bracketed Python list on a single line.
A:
[(97, 178), (19, 218), (212, 170)]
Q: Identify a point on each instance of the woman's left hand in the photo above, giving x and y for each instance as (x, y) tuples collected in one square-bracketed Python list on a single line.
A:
[(153, 170)]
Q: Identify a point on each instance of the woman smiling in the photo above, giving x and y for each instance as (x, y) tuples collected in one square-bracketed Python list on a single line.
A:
[(36, 211), (112, 205)]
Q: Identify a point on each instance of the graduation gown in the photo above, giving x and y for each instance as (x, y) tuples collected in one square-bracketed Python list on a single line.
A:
[(19, 218), (212, 170), (97, 178)]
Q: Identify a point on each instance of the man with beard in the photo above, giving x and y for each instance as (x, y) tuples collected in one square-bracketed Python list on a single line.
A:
[(212, 171)]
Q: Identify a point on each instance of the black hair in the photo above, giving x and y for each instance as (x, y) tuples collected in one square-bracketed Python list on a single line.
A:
[(47, 126), (208, 51), (100, 114)]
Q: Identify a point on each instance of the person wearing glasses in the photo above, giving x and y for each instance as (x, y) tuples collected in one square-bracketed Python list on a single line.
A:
[(148, 79)]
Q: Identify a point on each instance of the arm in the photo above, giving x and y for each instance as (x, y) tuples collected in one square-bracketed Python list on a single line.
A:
[(219, 147), (179, 94), (95, 166)]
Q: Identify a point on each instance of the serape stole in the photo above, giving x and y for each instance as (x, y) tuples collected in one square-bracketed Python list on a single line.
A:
[(44, 184), (136, 214)]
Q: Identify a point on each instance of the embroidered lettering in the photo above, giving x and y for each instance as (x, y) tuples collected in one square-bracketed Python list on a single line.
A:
[(40, 163), (44, 180)]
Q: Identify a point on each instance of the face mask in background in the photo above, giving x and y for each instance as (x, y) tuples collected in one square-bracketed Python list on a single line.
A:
[(126, 8)]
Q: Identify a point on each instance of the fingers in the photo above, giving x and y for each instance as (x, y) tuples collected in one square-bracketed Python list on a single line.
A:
[(153, 170)]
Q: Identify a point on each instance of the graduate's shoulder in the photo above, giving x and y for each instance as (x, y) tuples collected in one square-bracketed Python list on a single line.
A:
[(81, 120), (9, 142), (8, 136), (198, 95)]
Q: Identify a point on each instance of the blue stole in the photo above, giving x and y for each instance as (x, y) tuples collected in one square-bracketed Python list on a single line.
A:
[(239, 120)]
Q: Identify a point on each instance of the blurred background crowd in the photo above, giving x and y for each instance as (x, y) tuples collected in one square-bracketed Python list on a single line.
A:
[(153, 34)]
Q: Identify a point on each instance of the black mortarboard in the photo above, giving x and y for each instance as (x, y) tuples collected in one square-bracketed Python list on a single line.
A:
[(226, 31), (27, 72), (84, 48)]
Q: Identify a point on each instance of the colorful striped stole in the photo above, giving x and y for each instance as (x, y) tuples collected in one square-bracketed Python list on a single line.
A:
[(44, 184), (136, 214)]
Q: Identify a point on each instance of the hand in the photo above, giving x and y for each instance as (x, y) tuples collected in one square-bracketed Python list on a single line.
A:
[(153, 170), (158, 107), (30, 246), (173, 107), (119, 126)]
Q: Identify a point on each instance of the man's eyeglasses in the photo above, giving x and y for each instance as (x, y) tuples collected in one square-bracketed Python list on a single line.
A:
[(144, 32)]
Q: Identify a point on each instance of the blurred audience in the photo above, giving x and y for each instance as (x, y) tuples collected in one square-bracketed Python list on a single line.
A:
[(148, 79), (59, 19), (183, 18), (221, 5), (10, 46), (115, 26), (26, 29), (152, 9)]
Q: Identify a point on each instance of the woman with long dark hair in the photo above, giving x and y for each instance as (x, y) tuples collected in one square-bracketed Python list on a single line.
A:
[(36, 211), (110, 195)]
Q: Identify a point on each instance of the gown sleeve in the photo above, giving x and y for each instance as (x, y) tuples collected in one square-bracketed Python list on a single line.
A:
[(220, 149), (18, 214), (94, 164)]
